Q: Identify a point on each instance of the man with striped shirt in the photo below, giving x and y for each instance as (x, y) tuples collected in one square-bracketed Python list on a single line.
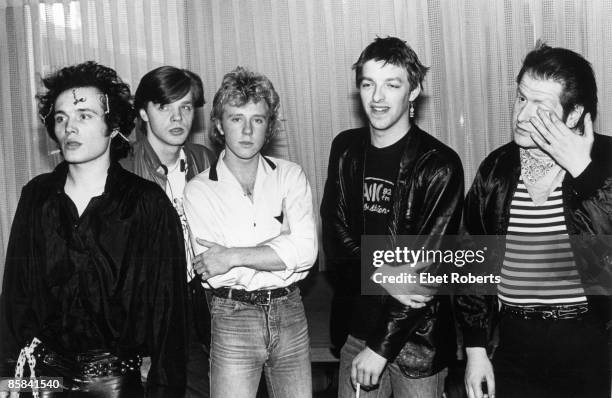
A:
[(553, 182)]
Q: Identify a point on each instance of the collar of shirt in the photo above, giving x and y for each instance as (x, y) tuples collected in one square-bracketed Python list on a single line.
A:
[(60, 174), (220, 172)]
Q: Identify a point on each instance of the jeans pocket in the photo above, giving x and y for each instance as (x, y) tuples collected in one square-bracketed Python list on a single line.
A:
[(294, 301), (222, 306)]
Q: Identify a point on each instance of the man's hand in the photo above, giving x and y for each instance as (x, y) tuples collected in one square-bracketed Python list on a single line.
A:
[(413, 300), (217, 260), (570, 150), (366, 368), (477, 370)]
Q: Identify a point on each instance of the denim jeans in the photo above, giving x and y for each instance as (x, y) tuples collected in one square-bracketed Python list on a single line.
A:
[(392, 380), (249, 338)]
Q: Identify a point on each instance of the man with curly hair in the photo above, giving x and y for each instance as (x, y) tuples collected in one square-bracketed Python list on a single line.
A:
[(253, 223), (95, 268)]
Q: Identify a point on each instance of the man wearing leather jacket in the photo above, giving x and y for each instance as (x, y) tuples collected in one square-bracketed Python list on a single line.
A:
[(389, 178), (549, 193), (166, 100)]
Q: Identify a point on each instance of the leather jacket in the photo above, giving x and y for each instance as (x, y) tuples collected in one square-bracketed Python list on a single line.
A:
[(427, 200), (144, 162), (587, 207)]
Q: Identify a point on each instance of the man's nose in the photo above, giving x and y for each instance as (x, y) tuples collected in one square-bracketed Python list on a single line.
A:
[(70, 127), (378, 94), (526, 112), (176, 115), (248, 129)]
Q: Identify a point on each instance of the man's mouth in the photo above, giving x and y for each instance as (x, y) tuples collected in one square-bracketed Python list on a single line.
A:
[(177, 130), (71, 145), (379, 109), (522, 130)]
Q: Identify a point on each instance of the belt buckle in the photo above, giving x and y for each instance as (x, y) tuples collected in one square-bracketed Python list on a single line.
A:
[(264, 300), (551, 314)]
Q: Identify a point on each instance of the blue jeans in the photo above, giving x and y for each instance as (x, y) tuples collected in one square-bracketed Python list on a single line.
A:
[(392, 380), (248, 338)]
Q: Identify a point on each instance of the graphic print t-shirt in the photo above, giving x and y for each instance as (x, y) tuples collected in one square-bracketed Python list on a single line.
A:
[(381, 168)]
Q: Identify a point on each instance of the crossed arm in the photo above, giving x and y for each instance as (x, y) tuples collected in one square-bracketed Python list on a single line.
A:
[(293, 250)]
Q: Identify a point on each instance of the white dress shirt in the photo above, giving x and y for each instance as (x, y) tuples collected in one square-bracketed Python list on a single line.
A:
[(280, 216)]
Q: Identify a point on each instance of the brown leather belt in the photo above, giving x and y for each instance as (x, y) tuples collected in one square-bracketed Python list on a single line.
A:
[(257, 297), (552, 312)]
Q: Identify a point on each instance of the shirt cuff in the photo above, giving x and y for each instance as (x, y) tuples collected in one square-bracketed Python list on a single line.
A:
[(474, 337), (286, 252), (239, 276)]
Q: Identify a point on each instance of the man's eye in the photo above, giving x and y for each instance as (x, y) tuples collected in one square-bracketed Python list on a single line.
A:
[(235, 119), (366, 85), (59, 119), (520, 98), (187, 107), (393, 85), (85, 116), (162, 107)]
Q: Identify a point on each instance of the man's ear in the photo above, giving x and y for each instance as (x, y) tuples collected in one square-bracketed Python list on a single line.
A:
[(415, 93), (574, 116), (219, 127), (143, 115)]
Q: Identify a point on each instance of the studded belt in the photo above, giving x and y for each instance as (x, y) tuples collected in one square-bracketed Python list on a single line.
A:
[(552, 312), (94, 363), (256, 297)]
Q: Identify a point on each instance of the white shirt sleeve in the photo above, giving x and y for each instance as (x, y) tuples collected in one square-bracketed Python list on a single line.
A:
[(296, 247), (203, 220)]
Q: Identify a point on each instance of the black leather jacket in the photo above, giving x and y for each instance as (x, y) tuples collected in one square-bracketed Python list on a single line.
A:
[(587, 201), (427, 200)]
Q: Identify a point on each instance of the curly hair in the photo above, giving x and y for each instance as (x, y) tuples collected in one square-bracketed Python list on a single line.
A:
[(239, 87), (121, 114)]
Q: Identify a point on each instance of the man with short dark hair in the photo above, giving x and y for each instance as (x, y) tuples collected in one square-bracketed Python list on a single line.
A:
[(390, 178), (166, 100), (252, 219), (95, 265), (549, 193)]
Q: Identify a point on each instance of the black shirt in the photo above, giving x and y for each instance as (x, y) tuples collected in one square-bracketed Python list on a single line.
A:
[(112, 279), (381, 168)]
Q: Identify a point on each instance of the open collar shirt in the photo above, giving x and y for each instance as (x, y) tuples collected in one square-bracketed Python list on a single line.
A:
[(110, 279), (280, 216)]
